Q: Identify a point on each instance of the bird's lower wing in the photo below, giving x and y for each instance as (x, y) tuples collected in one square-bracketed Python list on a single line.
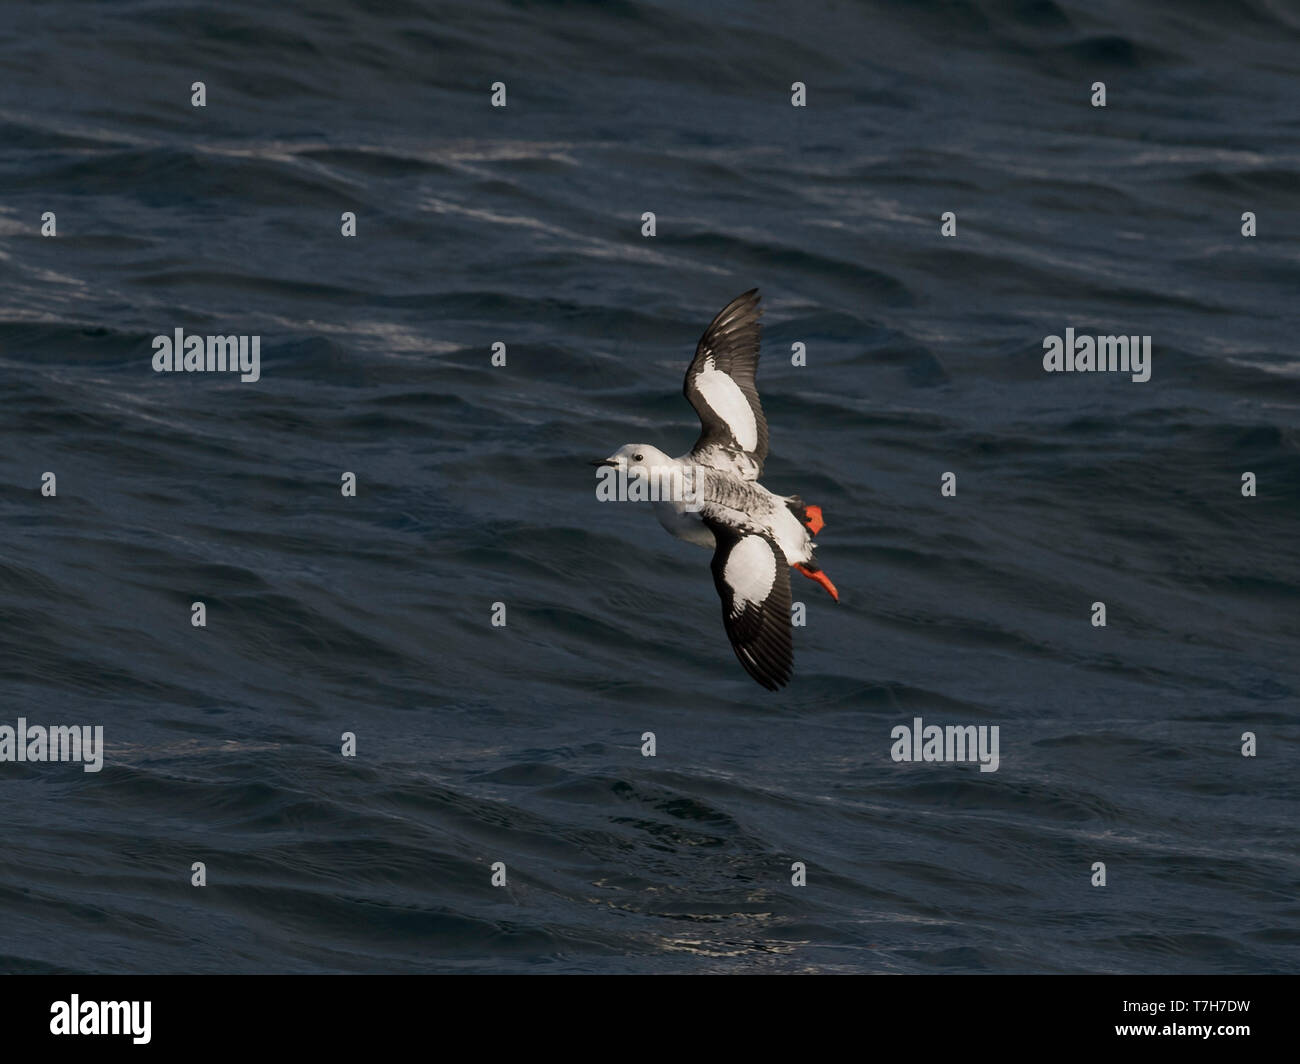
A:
[(753, 581)]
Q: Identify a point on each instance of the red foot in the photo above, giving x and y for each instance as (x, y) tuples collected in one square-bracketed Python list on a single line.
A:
[(820, 577), (813, 519)]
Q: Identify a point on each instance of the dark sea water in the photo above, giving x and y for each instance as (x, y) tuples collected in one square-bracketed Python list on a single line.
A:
[(521, 744)]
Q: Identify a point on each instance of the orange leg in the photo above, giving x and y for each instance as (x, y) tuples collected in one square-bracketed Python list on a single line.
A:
[(820, 577), (813, 519)]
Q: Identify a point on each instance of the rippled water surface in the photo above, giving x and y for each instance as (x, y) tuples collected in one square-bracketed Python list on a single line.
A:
[(523, 225)]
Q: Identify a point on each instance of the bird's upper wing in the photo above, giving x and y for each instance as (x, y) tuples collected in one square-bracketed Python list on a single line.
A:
[(753, 580), (720, 385)]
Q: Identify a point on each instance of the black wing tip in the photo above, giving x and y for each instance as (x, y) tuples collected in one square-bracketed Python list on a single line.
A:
[(746, 303), (775, 683), (737, 326), (772, 673), (746, 300)]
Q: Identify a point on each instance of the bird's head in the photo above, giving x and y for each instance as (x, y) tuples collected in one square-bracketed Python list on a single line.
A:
[(637, 457)]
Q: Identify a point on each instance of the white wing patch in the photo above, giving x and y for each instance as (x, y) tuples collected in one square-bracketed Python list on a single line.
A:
[(727, 401), (750, 571)]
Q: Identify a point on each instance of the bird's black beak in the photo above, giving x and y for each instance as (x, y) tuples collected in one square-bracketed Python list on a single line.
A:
[(605, 461)]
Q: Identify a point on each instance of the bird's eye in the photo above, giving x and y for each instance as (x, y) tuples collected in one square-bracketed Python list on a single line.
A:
[(636, 458)]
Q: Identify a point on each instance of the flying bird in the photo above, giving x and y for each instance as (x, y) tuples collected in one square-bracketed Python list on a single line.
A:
[(756, 536)]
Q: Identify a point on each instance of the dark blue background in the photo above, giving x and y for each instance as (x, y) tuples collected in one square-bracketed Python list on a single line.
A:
[(521, 744)]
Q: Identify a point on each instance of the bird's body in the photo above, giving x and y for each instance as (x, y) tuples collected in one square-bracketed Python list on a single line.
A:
[(755, 534), (723, 496)]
